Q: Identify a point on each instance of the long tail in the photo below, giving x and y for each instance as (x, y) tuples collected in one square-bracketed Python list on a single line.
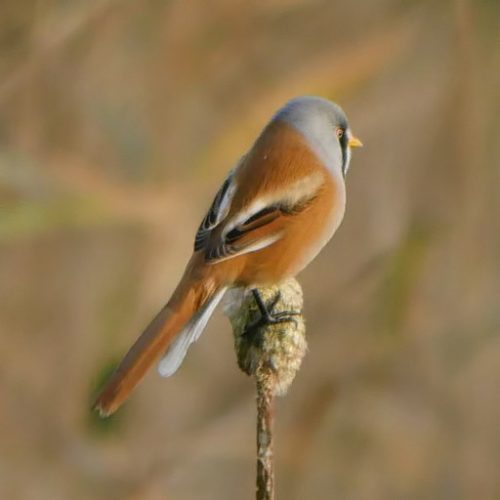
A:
[(176, 326)]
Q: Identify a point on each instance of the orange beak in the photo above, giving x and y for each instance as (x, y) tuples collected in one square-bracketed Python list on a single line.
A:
[(354, 142)]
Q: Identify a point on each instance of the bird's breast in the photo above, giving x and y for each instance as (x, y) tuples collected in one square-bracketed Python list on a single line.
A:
[(317, 226)]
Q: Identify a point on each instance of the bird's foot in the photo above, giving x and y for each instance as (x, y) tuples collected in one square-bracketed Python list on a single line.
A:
[(267, 315)]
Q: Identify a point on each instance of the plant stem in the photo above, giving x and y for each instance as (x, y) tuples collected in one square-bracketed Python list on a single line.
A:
[(265, 459)]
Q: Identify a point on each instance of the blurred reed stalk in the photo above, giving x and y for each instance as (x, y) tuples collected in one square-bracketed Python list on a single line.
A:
[(272, 354)]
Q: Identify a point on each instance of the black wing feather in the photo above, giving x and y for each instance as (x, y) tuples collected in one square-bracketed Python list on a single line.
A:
[(213, 215), (221, 249)]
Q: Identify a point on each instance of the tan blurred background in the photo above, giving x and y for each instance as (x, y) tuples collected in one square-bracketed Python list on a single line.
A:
[(118, 120)]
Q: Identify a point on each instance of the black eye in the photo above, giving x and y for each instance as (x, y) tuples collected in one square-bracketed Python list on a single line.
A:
[(340, 132)]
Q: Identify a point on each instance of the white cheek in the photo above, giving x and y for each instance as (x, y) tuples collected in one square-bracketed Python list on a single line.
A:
[(347, 159)]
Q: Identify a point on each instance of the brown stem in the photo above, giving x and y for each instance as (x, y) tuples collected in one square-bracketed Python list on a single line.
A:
[(265, 462)]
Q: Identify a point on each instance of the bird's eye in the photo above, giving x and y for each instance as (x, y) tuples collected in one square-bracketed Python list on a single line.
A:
[(340, 132)]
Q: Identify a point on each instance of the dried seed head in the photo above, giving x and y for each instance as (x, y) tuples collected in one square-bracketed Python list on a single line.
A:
[(271, 353)]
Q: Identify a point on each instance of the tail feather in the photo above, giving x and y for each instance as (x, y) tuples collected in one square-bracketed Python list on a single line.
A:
[(191, 333), (174, 318)]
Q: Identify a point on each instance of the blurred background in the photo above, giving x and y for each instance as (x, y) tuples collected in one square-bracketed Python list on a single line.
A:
[(119, 120)]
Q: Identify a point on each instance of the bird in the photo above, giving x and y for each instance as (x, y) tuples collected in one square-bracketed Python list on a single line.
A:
[(276, 209)]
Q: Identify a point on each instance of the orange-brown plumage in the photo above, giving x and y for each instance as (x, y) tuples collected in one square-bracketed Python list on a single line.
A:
[(274, 213), (281, 158)]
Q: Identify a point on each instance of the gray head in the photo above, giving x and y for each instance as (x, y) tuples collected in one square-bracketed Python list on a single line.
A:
[(324, 124)]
